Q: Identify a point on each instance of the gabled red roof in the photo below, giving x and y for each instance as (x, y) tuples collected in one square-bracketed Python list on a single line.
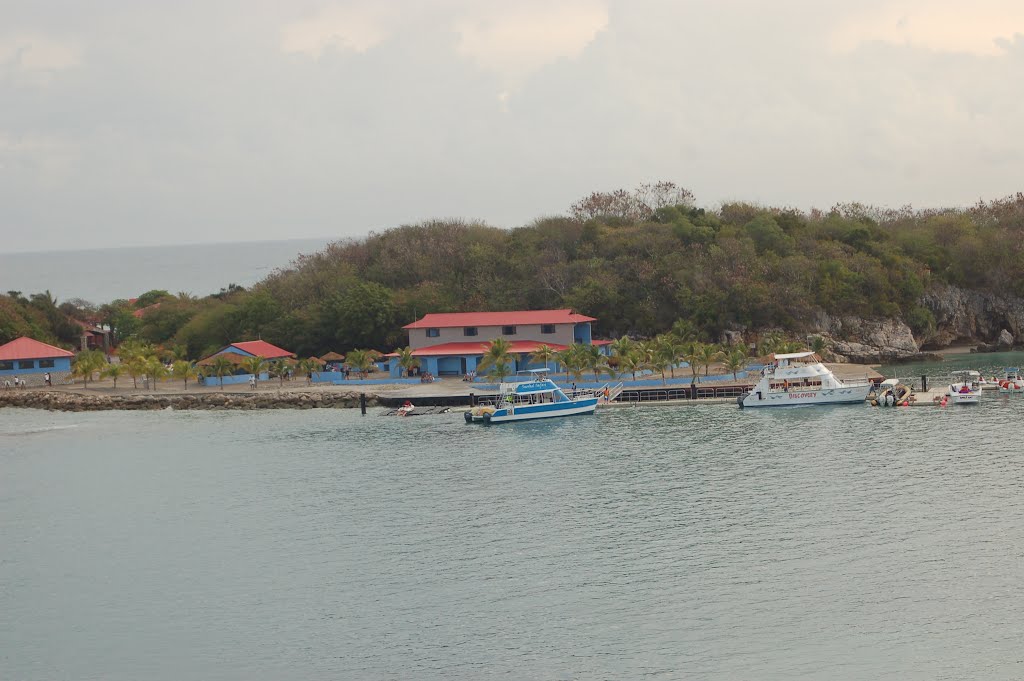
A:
[(479, 348), (143, 311), (601, 342), (510, 318), (261, 348), (27, 348)]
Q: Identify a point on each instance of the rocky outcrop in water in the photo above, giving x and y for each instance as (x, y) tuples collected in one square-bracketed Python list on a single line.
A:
[(55, 400)]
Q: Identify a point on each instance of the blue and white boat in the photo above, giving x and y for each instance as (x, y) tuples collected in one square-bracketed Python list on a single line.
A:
[(533, 396)]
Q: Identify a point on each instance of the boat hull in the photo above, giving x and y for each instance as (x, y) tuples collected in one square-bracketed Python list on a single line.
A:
[(550, 410), (964, 398), (854, 394)]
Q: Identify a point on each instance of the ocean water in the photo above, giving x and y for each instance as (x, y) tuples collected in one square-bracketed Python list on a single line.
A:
[(698, 542), (102, 275)]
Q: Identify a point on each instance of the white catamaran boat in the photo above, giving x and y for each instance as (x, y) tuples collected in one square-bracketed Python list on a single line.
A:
[(534, 396), (963, 389), (800, 378)]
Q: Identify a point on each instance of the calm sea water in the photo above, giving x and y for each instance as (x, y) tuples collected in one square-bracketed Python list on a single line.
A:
[(102, 275), (660, 542)]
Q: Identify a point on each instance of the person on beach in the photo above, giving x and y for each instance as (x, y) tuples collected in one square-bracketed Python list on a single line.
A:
[(252, 382), (16, 382), (46, 377)]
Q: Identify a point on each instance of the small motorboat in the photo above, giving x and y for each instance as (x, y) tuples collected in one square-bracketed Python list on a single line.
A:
[(892, 393), (406, 408), (962, 390), (1013, 382)]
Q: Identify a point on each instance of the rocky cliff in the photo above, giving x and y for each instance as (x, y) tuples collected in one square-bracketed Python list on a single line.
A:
[(963, 315)]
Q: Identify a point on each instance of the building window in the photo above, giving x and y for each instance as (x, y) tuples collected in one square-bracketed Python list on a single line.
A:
[(26, 364), (469, 331), (547, 328), (6, 366), (508, 331), (433, 333), (46, 364)]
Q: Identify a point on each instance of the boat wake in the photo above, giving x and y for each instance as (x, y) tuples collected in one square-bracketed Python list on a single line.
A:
[(35, 431)]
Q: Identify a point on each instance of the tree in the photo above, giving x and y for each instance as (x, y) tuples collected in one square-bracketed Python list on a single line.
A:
[(184, 370), (406, 360), (220, 367), (709, 353), (136, 367), (255, 366), (693, 355), (631, 362), (87, 363), (361, 361), (113, 371), (156, 370), (544, 354), (278, 369), (497, 360), (735, 358), (308, 367)]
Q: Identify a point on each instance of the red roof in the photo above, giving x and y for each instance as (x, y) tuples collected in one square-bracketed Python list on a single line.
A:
[(27, 348), (143, 311), (479, 348), (601, 342), (260, 348), (510, 318)]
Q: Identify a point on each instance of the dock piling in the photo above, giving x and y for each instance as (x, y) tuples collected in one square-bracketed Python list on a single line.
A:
[(362, 403), (924, 384), (472, 400)]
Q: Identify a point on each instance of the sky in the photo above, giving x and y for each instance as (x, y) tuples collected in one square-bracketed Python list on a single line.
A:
[(142, 122)]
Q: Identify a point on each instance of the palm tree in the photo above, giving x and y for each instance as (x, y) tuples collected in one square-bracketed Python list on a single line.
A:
[(594, 360), (672, 349), (87, 363), (769, 343), (156, 369), (361, 361), (307, 367), (406, 360), (497, 360), (576, 361), (544, 354), (693, 355), (621, 346), (684, 330), (708, 355), (184, 370), (113, 371), (278, 369), (631, 362), (136, 365), (220, 367), (735, 359), (255, 366)]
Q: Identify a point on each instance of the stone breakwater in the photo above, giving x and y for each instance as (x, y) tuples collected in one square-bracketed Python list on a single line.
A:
[(74, 401)]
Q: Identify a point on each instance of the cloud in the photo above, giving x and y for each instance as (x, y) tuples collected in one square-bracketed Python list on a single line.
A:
[(517, 38), (356, 27), (980, 28)]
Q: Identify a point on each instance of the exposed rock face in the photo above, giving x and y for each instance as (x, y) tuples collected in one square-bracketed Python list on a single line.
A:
[(55, 400), (854, 339), (972, 315), (1005, 340)]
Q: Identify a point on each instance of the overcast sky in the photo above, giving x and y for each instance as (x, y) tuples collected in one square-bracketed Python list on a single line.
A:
[(133, 122)]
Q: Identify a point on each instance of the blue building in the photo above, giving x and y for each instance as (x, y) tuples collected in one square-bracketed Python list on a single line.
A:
[(237, 353), (453, 343), (30, 360)]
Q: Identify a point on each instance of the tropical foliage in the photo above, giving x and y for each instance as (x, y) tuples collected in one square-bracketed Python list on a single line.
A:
[(633, 259)]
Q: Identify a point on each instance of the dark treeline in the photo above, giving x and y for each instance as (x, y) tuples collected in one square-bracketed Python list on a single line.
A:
[(637, 261)]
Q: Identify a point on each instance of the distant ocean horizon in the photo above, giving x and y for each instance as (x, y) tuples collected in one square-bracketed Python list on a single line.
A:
[(105, 274)]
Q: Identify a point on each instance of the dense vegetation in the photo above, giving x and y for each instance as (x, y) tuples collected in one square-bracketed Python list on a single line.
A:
[(638, 261)]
